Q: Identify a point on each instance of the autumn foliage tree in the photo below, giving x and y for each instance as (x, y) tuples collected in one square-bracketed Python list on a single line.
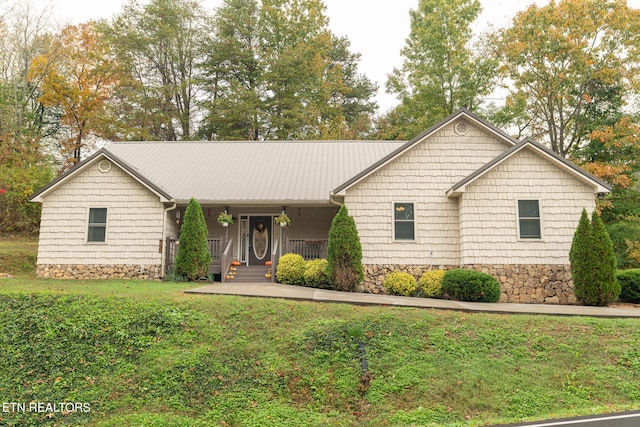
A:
[(573, 62), (76, 77), (613, 153)]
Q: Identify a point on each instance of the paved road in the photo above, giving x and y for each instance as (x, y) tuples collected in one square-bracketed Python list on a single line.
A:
[(626, 419)]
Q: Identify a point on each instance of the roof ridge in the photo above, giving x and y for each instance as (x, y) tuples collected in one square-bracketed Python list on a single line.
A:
[(293, 141)]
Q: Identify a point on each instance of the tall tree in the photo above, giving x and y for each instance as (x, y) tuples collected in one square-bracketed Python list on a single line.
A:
[(159, 46), (613, 153), (441, 71), (77, 77), (275, 71), (23, 123), (574, 62), (233, 74)]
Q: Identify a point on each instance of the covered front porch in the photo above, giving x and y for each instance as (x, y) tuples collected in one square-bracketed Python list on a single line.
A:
[(254, 241)]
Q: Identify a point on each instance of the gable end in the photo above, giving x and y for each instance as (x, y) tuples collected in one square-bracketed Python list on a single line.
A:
[(462, 113), (96, 158)]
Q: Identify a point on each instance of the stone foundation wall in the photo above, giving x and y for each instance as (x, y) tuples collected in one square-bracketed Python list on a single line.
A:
[(98, 271), (527, 283)]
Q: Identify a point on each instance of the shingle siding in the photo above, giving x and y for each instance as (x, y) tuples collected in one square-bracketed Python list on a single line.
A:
[(421, 175), (489, 220), (134, 221)]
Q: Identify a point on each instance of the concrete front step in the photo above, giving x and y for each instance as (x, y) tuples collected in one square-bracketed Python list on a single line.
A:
[(250, 274)]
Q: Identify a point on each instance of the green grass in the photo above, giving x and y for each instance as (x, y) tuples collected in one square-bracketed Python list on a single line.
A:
[(144, 353), (18, 255)]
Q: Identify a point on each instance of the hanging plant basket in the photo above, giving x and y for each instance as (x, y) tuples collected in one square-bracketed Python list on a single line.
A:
[(283, 220), (225, 219)]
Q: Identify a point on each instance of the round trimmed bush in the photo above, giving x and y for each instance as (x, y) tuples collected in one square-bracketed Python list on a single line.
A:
[(398, 283), (430, 283), (470, 285), (290, 270), (629, 281), (315, 274)]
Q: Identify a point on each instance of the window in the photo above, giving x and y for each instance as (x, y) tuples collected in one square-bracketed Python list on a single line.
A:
[(529, 219), (404, 222), (97, 225)]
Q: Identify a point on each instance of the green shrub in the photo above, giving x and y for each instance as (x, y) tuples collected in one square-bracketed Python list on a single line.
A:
[(607, 288), (315, 274), (344, 253), (629, 281), (193, 258), (398, 283), (581, 257), (593, 263), (470, 285), (430, 284), (291, 269), (624, 234)]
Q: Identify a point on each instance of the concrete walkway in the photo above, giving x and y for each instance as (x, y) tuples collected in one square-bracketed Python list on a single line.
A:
[(276, 290)]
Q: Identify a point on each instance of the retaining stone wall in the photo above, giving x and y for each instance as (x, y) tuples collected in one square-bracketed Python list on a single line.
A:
[(527, 283), (98, 271)]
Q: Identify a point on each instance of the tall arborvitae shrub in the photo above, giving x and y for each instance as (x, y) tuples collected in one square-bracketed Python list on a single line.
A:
[(606, 285), (193, 257), (344, 253), (580, 257), (593, 263)]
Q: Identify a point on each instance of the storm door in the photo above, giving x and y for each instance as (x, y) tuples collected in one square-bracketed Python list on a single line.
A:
[(259, 239)]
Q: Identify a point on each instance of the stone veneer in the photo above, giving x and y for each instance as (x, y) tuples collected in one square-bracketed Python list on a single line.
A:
[(98, 271), (527, 283)]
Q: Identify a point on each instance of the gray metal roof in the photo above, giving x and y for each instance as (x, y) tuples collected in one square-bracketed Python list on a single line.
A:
[(250, 172)]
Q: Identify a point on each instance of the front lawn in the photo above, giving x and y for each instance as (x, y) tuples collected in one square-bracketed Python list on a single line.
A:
[(144, 353)]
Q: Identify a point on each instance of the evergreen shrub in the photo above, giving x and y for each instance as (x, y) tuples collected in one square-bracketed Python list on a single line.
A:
[(470, 285), (398, 283), (315, 274), (344, 253), (629, 281), (291, 268), (430, 284), (608, 288), (193, 258), (593, 262)]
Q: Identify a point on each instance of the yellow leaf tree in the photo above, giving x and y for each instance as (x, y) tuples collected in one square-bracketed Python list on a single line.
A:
[(574, 63), (76, 78)]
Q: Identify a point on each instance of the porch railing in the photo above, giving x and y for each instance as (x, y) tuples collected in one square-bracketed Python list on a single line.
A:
[(275, 257), (227, 256), (308, 249), (171, 252)]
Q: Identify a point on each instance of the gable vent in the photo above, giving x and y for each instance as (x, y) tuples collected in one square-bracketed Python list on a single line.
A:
[(461, 128), (104, 166)]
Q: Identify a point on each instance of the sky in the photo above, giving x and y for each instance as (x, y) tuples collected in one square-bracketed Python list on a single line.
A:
[(377, 29)]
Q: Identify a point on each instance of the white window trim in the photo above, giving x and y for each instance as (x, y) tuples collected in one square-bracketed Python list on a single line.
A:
[(106, 226), (393, 223), (529, 239)]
